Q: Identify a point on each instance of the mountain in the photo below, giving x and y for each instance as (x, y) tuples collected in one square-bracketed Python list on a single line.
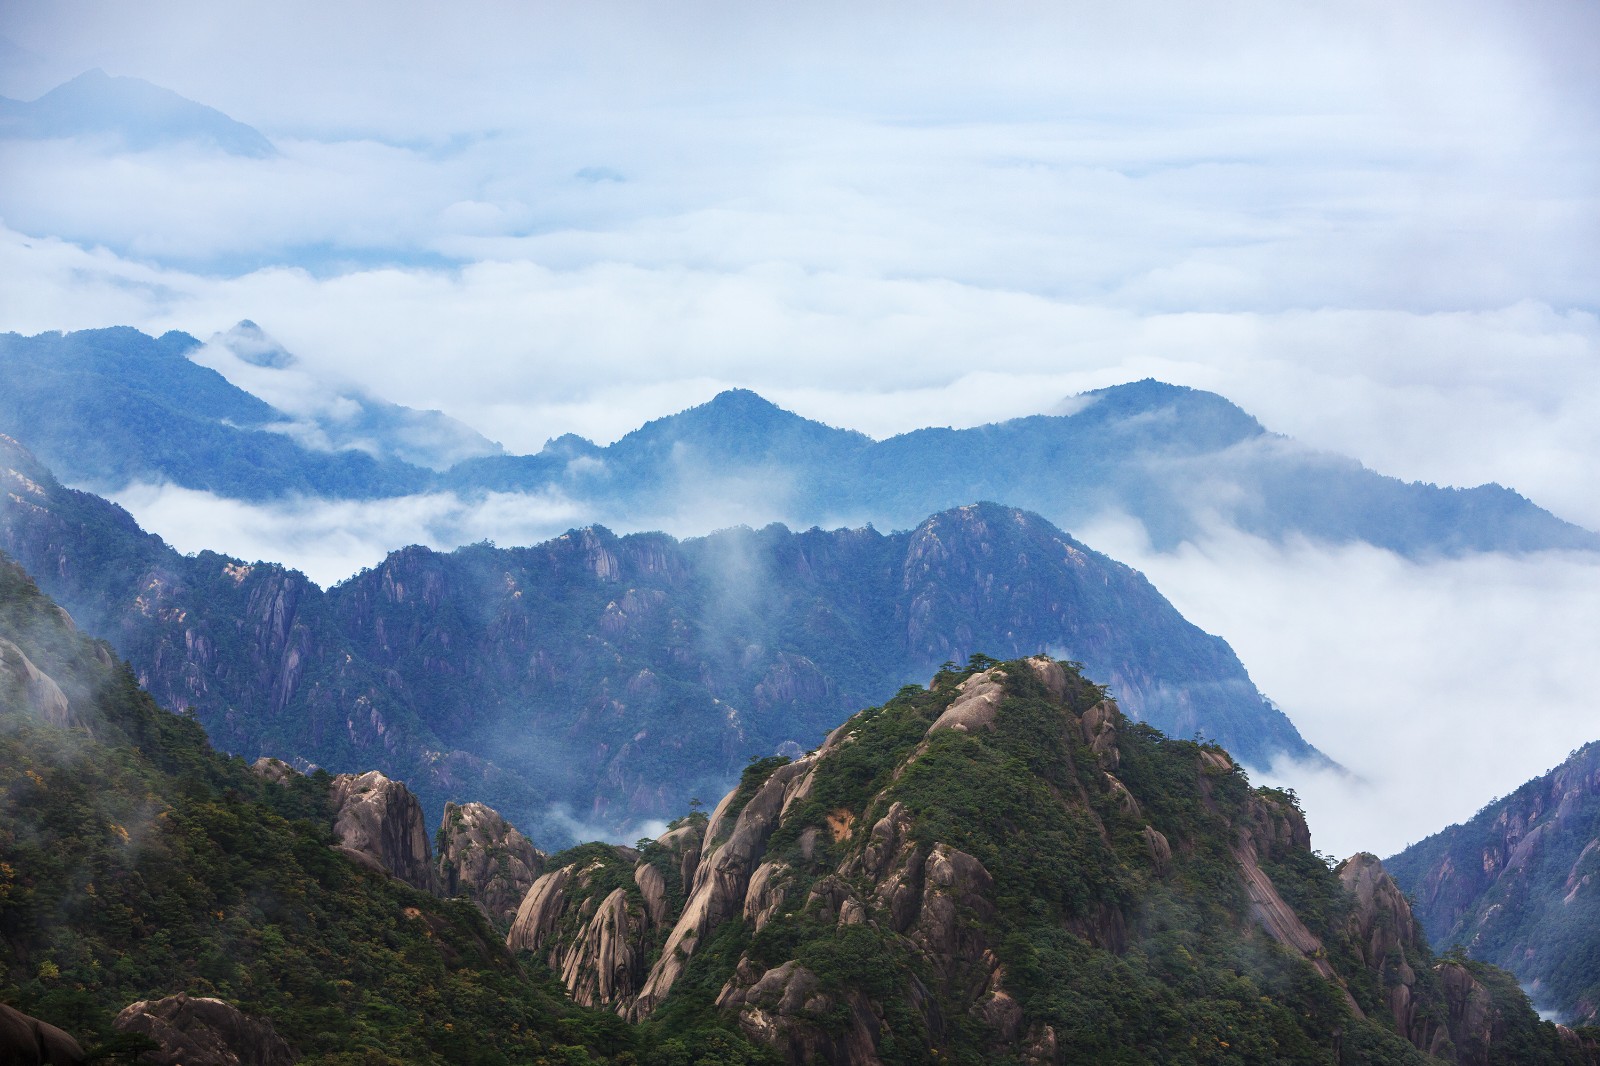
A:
[(132, 113), (1176, 459), (1003, 868), (1519, 885), (609, 679), (144, 879), (1172, 457), (114, 406)]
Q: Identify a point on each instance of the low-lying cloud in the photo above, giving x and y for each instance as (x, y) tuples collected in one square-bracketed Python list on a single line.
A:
[(1439, 685), (331, 540)]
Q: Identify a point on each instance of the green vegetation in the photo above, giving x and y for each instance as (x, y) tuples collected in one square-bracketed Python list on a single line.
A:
[(1125, 959), (136, 863)]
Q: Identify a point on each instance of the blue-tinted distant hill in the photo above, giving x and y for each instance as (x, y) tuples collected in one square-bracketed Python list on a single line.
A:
[(106, 407), (109, 407), (132, 114), (1174, 458)]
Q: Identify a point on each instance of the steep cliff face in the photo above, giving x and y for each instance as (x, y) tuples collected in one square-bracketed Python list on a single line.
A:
[(1519, 885), (482, 857), (1003, 867), (380, 824)]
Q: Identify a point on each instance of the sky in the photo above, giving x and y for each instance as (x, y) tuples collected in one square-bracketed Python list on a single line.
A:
[(1374, 226)]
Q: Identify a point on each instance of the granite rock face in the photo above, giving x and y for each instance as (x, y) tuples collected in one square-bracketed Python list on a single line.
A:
[(380, 824), (482, 857), (198, 1031), (27, 1041), (1519, 886)]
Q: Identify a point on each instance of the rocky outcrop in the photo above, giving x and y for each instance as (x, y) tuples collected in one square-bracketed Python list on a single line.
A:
[(27, 1041), (379, 823), (786, 1008), (31, 688), (1472, 1017), (595, 937), (482, 857), (196, 1031), (866, 920), (734, 842), (1385, 935), (275, 770)]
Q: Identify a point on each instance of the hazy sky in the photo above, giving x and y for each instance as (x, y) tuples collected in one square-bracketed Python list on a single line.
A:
[(1373, 225)]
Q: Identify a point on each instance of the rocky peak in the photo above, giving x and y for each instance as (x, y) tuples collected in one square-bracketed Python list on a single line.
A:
[(482, 857), (379, 823)]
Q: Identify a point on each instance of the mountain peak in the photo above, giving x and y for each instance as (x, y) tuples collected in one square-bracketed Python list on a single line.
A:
[(255, 346), (138, 113)]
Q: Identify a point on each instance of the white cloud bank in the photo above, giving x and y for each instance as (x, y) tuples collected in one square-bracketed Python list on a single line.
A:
[(1439, 685)]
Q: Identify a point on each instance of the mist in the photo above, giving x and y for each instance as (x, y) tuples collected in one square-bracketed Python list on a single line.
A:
[(1439, 686)]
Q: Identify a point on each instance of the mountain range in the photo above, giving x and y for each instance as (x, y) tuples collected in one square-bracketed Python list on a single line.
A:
[(999, 867), (1176, 459), (609, 679)]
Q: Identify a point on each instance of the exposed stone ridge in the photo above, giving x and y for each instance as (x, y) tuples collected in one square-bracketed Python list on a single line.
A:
[(722, 877), (34, 689), (1385, 934), (600, 945), (198, 1031), (871, 874), (380, 824), (482, 857)]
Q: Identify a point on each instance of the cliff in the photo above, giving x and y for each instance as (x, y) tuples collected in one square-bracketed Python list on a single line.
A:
[(485, 859), (1519, 886)]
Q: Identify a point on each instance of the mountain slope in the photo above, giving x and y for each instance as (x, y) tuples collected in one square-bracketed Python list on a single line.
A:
[(132, 112), (616, 675), (1003, 868), (113, 406), (1519, 885), (135, 862)]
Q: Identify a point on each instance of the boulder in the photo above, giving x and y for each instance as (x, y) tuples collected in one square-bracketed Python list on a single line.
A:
[(26, 1041), (35, 690), (380, 821), (196, 1031), (482, 857)]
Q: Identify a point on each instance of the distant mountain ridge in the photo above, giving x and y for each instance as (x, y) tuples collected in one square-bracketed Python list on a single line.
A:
[(114, 406), (616, 676), (1178, 460), (132, 112)]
